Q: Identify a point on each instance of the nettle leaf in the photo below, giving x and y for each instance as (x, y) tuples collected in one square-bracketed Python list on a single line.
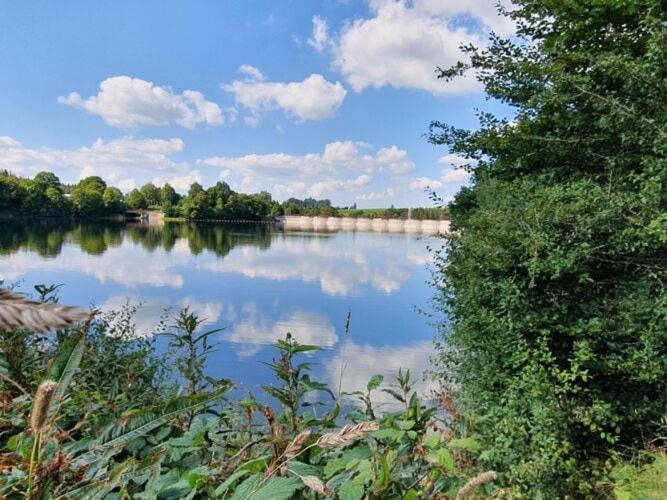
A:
[(351, 491), (405, 425), (469, 444), (276, 488), (443, 457), (258, 464), (374, 382), (227, 483), (432, 439), (247, 486), (390, 433), (348, 458)]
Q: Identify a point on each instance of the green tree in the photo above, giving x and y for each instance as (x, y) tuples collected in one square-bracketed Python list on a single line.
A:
[(47, 179), (168, 196), (136, 199), (58, 203), (197, 206), (195, 188), (554, 280), (113, 200), (88, 201), (93, 182), (151, 193)]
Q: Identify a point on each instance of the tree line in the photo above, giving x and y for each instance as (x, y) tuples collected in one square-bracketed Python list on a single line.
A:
[(45, 195)]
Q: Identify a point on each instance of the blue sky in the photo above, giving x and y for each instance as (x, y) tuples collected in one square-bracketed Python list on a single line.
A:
[(323, 98)]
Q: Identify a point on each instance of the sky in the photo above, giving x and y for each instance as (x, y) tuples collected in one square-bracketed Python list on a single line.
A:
[(322, 98)]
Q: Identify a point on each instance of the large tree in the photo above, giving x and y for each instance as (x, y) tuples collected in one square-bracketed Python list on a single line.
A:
[(555, 276)]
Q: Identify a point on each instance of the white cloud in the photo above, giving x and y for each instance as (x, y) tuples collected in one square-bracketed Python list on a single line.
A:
[(314, 98), (340, 270), (129, 102), (455, 176), (452, 177), (251, 73), (150, 312), (361, 362), (453, 160), (305, 327), (117, 161), (376, 196), (484, 11), (129, 265), (180, 183), (401, 46), (320, 189), (320, 39), (316, 174), (7, 142), (423, 183)]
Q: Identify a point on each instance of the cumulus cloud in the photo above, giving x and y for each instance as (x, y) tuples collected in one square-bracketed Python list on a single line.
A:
[(150, 312), (401, 46), (116, 160), (423, 183), (453, 176), (127, 265), (360, 362), (256, 330), (180, 183), (377, 196), (483, 11), (320, 39), (341, 166), (313, 98), (129, 102)]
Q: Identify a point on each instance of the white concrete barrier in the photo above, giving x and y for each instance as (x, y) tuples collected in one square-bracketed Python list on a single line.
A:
[(303, 223)]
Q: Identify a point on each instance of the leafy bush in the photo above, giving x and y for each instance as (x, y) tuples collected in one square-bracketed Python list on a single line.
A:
[(555, 278)]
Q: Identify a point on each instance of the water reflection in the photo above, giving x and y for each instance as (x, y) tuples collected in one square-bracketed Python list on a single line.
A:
[(254, 281)]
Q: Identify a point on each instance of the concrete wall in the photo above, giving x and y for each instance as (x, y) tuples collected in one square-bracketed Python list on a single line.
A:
[(302, 223)]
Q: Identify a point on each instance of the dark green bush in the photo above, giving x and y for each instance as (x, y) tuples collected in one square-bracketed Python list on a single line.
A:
[(555, 280)]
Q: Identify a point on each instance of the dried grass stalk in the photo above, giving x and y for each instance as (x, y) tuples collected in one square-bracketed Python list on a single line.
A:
[(348, 434), (41, 405), (295, 446), (16, 311), (314, 483), (476, 482)]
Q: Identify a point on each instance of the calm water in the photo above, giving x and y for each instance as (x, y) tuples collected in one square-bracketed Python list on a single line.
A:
[(256, 282)]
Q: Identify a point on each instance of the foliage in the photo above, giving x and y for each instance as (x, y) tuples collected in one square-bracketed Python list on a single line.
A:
[(555, 278), (223, 449), (45, 195), (646, 480), (309, 207), (418, 213)]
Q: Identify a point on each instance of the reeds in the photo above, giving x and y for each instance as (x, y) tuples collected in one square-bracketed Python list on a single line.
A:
[(347, 435), (476, 482), (295, 446), (313, 483), (38, 417), (16, 311), (41, 405)]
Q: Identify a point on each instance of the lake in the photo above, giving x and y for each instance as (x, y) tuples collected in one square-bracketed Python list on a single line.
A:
[(255, 281)]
